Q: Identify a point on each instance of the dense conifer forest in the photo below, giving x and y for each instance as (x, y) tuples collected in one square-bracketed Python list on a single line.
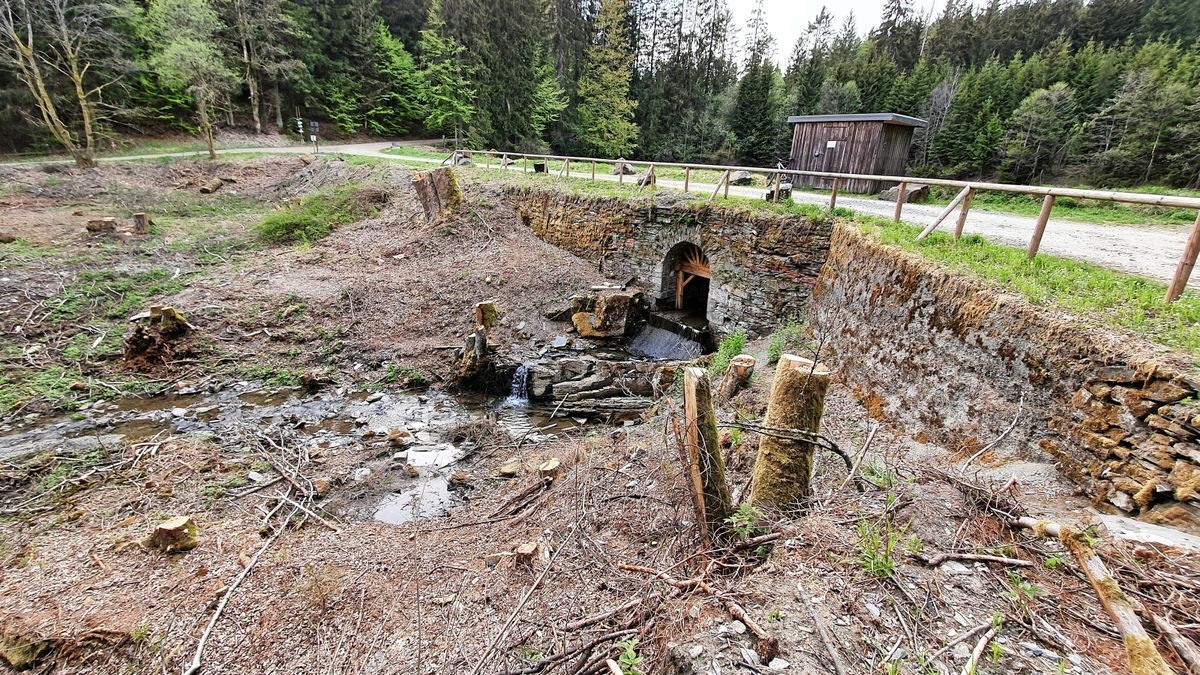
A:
[(1105, 92)]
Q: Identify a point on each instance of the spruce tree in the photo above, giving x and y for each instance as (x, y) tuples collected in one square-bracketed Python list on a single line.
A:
[(449, 98), (605, 109)]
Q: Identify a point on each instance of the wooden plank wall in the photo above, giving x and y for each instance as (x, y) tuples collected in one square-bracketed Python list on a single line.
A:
[(864, 147)]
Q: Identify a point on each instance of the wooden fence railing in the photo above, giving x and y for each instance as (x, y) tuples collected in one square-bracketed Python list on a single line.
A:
[(962, 201)]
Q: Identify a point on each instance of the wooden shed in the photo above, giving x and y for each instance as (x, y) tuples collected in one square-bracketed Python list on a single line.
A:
[(871, 143)]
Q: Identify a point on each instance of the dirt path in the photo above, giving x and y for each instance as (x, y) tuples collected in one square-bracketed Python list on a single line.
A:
[(1146, 250)]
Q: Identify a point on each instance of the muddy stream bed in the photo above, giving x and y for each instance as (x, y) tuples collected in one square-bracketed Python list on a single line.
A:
[(405, 445)]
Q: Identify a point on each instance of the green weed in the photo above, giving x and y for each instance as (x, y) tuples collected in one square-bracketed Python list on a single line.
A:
[(408, 376), (1022, 593), (731, 345), (745, 522), (1054, 561), (111, 294), (877, 542), (788, 337), (880, 474), (270, 375), (629, 658)]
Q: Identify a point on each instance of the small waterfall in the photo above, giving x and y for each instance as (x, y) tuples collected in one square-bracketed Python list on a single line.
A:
[(518, 396), (663, 345)]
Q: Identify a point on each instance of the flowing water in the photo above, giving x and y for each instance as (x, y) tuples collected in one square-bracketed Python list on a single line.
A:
[(660, 344)]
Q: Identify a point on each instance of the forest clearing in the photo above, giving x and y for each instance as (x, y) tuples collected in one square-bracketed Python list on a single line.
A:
[(287, 461)]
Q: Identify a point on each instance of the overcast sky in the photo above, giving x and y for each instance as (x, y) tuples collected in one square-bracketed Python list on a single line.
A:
[(788, 18)]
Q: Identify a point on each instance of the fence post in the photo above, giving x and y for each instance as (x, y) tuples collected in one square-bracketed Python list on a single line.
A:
[(1040, 227), (778, 177), (962, 215), (833, 195), (901, 193), (1186, 263), (593, 171), (727, 184), (525, 164), (687, 174)]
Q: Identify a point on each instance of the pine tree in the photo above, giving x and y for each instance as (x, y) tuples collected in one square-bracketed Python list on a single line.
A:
[(754, 120), (1131, 136), (605, 109), (549, 100)]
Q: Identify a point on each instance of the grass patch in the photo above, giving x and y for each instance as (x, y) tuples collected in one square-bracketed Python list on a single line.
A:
[(61, 388), (731, 345), (1070, 208), (1118, 300), (316, 215), (270, 375), (112, 295), (19, 253)]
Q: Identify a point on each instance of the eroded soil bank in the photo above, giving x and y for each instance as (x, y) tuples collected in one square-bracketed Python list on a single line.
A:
[(317, 381)]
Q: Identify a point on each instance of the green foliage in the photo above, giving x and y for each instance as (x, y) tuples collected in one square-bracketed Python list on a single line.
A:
[(1022, 593), (316, 215), (1054, 561), (395, 103), (1039, 134), (731, 345), (745, 522), (880, 474), (606, 109), (628, 659), (788, 337), (407, 375)]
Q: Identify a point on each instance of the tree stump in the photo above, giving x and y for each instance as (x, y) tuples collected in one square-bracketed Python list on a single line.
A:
[(141, 223), (174, 535), (549, 469), (437, 190), (737, 376), (703, 450), (486, 315), (783, 468)]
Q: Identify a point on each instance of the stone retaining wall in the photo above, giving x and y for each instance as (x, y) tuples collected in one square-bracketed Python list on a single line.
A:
[(957, 361), (764, 265)]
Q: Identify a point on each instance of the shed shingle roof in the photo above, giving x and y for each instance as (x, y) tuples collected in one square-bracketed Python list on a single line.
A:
[(886, 118)]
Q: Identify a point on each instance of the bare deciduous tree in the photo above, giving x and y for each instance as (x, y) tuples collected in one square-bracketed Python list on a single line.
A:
[(54, 47)]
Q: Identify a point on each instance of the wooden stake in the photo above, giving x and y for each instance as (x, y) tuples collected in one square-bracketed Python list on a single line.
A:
[(1040, 227), (717, 190), (737, 375), (944, 214), (833, 195), (727, 184), (703, 450), (778, 177), (1184, 271), (687, 175), (962, 214), (783, 468), (593, 172), (900, 195), (141, 223)]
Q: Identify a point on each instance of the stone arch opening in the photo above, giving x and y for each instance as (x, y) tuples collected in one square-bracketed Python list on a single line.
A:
[(687, 278)]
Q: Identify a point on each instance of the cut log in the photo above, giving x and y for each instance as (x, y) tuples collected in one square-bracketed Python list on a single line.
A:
[(703, 450), (141, 223), (737, 376), (783, 468), (211, 186), (174, 535), (102, 226)]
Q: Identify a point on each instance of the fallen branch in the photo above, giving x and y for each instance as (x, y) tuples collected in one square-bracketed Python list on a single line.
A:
[(830, 647), (935, 560), (1143, 657), (961, 637), (767, 647), (597, 618), (195, 664), (1185, 648), (969, 668)]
